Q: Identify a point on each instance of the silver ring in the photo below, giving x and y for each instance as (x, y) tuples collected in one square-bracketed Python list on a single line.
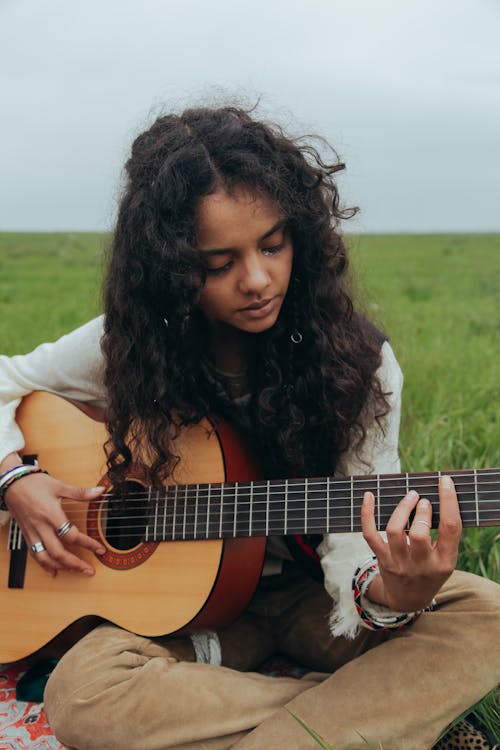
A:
[(64, 528), (37, 547), (426, 523)]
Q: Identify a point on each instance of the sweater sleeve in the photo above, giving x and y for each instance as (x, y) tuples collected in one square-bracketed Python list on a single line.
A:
[(342, 553), (72, 367)]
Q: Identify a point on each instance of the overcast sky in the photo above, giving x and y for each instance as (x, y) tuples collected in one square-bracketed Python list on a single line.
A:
[(408, 92)]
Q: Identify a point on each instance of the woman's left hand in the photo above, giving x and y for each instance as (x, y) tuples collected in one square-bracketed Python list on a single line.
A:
[(412, 566)]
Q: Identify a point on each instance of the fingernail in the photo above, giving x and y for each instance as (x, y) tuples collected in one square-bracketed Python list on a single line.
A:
[(88, 572), (100, 551), (412, 493), (423, 504), (447, 482), (97, 489)]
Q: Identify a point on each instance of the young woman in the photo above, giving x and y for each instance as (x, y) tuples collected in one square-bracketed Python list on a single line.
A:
[(227, 293)]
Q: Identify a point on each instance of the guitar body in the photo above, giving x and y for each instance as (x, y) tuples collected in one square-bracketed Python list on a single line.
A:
[(151, 588)]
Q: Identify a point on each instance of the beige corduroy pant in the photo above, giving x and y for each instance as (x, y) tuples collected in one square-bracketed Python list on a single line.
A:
[(117, 691)]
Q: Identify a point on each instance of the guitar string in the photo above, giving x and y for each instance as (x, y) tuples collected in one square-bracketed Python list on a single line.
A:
[(226, 529), (294, 525), (228, 494), (168, 502), (187, 513), (318, 485), (200, 493), (242, 530)]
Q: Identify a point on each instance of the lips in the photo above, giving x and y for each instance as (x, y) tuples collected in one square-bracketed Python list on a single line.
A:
[(258, 305)]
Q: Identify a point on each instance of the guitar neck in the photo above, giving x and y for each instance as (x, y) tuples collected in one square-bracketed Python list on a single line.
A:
[(308, 506)]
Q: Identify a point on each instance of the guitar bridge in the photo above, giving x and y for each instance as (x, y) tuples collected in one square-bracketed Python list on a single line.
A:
[(18, 557), (17, 545)]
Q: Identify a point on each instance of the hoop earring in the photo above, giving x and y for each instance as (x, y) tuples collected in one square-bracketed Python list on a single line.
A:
[(296, 336)]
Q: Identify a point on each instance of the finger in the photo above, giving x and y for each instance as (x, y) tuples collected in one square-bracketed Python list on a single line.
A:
[(76, 537), (450, 523), (44, 561), (65, 559), (398, 523), (84, 494), (41, 557), (369, 527), (420, 529)]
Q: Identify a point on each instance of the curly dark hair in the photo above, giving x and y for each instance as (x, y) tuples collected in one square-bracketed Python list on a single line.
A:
[(308, 399)]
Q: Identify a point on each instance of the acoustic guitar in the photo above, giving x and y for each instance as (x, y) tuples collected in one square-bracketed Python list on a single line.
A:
[(187, 555)]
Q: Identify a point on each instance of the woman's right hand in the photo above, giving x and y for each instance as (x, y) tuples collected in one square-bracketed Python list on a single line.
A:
[(35, 502)]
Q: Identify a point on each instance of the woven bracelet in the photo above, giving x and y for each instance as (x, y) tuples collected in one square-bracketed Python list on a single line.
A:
[(375, 621)]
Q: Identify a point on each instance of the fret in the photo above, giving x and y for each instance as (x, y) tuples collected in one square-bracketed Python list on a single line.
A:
[(201, 518), (277, 504), (250, 520), (207, 527), (146, 530), (221, 509), (267, 508), (352, 503), (174, 512), (306, 484), (465, 486), (339, 509), (476, 499), (316, 521), (235, 514), (298, 517), (328, 503), (184, 515), (164, 524), (378, 502), (285, 529), (259, 510), (243, 516), (180, 509), (195, 531), (155, 523)]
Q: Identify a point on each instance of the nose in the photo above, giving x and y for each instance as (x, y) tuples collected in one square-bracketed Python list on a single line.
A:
[(254, 277)]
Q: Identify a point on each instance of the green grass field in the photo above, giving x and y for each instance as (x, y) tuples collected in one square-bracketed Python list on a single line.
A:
[(437, 297)]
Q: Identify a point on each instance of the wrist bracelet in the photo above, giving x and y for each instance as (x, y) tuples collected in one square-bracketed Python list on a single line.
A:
[(12, 475), (372, 617), (9, 471)]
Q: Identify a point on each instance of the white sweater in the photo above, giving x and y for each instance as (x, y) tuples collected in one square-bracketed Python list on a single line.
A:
[(73, 366)]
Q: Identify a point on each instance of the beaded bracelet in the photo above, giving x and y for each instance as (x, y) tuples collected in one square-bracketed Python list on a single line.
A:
[(12, 475), (363, 576)]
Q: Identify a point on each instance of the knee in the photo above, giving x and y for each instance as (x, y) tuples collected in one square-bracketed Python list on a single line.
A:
[(91, 697), (483, 594)]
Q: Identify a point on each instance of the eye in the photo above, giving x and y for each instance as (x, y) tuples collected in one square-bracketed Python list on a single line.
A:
[(273, 249), (219, 270)]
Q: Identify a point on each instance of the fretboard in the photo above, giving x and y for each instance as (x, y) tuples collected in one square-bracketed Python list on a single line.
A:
[(307, 506)]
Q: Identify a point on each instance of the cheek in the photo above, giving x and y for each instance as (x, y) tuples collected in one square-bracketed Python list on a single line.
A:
[(210, 299)]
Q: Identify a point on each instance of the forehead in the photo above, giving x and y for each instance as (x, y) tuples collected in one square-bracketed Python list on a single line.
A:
[(223, 219)]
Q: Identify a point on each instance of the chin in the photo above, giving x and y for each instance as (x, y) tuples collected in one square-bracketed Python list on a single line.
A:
[(258, 326)]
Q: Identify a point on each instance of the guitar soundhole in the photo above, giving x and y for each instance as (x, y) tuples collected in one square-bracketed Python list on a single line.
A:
[(124, 519)]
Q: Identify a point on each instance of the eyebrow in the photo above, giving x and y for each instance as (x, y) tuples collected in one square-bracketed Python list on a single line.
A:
[(223, 250)]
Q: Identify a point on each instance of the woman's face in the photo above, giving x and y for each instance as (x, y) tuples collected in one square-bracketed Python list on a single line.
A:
[(248, 254)]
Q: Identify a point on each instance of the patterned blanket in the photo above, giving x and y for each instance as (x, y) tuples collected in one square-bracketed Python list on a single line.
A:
[(23, 725)]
